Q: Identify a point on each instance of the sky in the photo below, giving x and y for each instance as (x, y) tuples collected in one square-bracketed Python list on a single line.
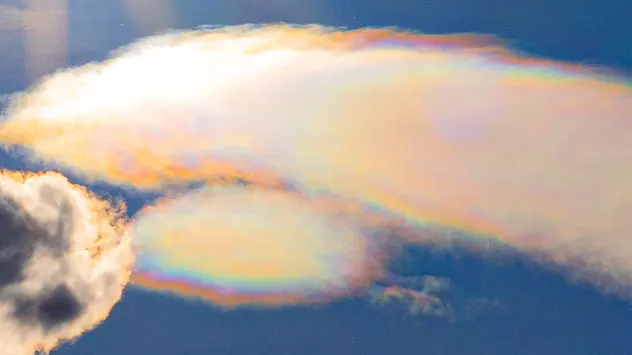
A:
[(541, 312)]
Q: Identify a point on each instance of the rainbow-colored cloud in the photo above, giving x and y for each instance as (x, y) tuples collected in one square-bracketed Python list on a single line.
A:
[(377, 127)]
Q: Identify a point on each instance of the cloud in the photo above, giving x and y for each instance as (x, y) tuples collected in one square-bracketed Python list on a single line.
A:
[(244, 245), (63, 261), (441, 132), (414, 302)]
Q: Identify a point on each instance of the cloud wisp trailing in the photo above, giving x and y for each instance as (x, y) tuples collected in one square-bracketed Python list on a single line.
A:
[(450, 131), (64, 261)]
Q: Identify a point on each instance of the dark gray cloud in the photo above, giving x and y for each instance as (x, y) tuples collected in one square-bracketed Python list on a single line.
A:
[(64, 260)]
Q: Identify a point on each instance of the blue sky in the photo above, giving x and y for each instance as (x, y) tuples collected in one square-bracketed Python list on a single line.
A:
[(543, 313)]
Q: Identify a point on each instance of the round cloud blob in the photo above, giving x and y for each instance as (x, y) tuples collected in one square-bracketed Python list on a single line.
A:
[(244, 245)]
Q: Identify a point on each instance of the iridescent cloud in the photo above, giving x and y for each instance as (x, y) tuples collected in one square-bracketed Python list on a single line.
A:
[(451, 131), (246, 245)]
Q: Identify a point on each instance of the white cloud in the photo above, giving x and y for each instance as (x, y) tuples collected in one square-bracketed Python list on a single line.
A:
[(64, 261)]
